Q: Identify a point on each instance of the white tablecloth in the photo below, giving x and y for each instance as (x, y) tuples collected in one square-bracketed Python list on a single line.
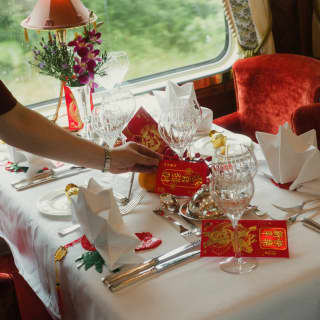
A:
[(278, 289)]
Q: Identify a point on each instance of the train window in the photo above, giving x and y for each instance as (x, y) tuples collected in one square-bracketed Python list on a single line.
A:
[(160, 36)]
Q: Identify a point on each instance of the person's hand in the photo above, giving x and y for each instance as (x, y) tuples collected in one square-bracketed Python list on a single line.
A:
[(133, 157)]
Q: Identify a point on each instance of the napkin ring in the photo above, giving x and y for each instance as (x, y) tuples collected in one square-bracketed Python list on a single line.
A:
[(107, 159)]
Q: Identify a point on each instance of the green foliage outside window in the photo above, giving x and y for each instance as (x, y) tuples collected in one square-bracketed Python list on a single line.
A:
[(158, 35)]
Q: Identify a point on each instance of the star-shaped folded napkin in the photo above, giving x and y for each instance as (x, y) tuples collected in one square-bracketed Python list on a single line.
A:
[(174, 94), (98, 214), (291, 158), (33, 162)]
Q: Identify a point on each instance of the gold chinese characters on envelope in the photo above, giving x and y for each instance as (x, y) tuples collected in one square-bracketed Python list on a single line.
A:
[(257, 238), (143, 129)]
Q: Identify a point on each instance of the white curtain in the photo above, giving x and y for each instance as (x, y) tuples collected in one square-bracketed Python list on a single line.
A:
[(251, 23), (316, 29)]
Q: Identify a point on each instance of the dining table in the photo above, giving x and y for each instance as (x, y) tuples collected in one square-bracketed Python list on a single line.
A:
[(279, 288)]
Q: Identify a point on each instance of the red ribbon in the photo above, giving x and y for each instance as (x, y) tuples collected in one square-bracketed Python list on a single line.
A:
[(282, 185)]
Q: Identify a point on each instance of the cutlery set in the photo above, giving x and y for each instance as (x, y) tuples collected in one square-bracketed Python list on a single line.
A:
[(296, 211), (159, 264), (47, 176)]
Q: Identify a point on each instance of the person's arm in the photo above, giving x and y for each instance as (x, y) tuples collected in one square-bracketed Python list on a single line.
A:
[(30, 131)]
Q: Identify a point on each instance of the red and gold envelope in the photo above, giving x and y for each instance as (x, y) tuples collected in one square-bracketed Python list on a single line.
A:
[(181, 178), (257, 238), (142, 128), (75, 122)]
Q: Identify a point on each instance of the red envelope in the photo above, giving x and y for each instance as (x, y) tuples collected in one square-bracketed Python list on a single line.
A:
[(75, 122), (258, 238), (142, 128), (181, 178)]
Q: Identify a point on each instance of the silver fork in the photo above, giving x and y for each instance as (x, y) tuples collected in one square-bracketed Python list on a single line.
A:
[(298, 208), (189, 235)]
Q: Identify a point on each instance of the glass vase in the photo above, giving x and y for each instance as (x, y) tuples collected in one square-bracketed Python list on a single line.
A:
[(80, 97)]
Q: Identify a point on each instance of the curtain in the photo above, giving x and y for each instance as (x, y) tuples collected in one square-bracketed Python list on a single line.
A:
[(250, 22), (316, 29)]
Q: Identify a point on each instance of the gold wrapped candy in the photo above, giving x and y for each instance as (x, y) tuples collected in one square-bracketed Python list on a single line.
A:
[(218, 140), (71, 189)]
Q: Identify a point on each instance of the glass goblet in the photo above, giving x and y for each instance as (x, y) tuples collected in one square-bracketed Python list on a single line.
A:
[(114, 70), (178, 125), (232, 189), (118, 106)]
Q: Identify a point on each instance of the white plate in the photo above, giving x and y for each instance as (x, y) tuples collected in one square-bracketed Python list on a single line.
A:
[(55, 203), (205, 148)]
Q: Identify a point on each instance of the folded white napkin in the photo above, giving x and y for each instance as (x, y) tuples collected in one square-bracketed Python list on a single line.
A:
[(291, 158), (98, 214), (174, 93), (34, 162)]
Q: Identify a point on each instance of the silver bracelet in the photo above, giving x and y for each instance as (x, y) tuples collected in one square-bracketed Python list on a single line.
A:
[(107, 160)]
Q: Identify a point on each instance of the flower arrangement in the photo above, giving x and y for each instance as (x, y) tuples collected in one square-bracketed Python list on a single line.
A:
[(74, 63)]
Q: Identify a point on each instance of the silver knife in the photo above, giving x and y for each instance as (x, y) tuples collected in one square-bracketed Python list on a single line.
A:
[(153, 270), (26, 184), (311, 224), (111, 279)]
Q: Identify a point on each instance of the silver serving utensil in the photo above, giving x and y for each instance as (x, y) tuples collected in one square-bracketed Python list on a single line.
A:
[(153, 270), (111, 279), (52, 176), (189, 235), (311, 224), (298, 208), (125, 200)]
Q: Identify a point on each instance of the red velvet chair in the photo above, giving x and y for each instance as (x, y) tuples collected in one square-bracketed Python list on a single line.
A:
[(17, 299), (9, 308), (306, 118), (269, 88)]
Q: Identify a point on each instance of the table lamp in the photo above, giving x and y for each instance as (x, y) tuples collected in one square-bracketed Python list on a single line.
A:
[(58, 16)]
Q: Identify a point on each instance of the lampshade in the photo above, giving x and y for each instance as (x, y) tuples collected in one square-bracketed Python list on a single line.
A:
[(57, 14)]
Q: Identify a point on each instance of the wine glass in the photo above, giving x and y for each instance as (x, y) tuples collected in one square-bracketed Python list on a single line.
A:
[(232, 189), (178, 124), (114, 70), (117, 107)]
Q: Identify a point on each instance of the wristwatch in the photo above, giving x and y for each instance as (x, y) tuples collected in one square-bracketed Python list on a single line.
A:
[(107, 160)]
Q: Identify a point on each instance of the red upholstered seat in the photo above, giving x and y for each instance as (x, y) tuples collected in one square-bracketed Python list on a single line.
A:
[(9, 309), (17, 299), (269, 88), (306, 118)]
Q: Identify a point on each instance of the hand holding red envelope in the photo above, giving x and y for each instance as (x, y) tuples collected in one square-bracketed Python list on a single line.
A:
[(257, 238), (142, 128)]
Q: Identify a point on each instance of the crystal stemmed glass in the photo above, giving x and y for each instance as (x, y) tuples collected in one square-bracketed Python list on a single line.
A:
[(117, 107), (178, 124), (115, 69), (232, 189)]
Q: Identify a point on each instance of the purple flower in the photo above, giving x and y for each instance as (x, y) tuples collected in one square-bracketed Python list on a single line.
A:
[(83, 51), (78, 68), (42, 65), (64, 66), (95, 36), (83, 79), (91, 64)]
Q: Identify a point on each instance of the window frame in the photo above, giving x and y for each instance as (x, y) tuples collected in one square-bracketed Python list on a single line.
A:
[(144, 85)]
